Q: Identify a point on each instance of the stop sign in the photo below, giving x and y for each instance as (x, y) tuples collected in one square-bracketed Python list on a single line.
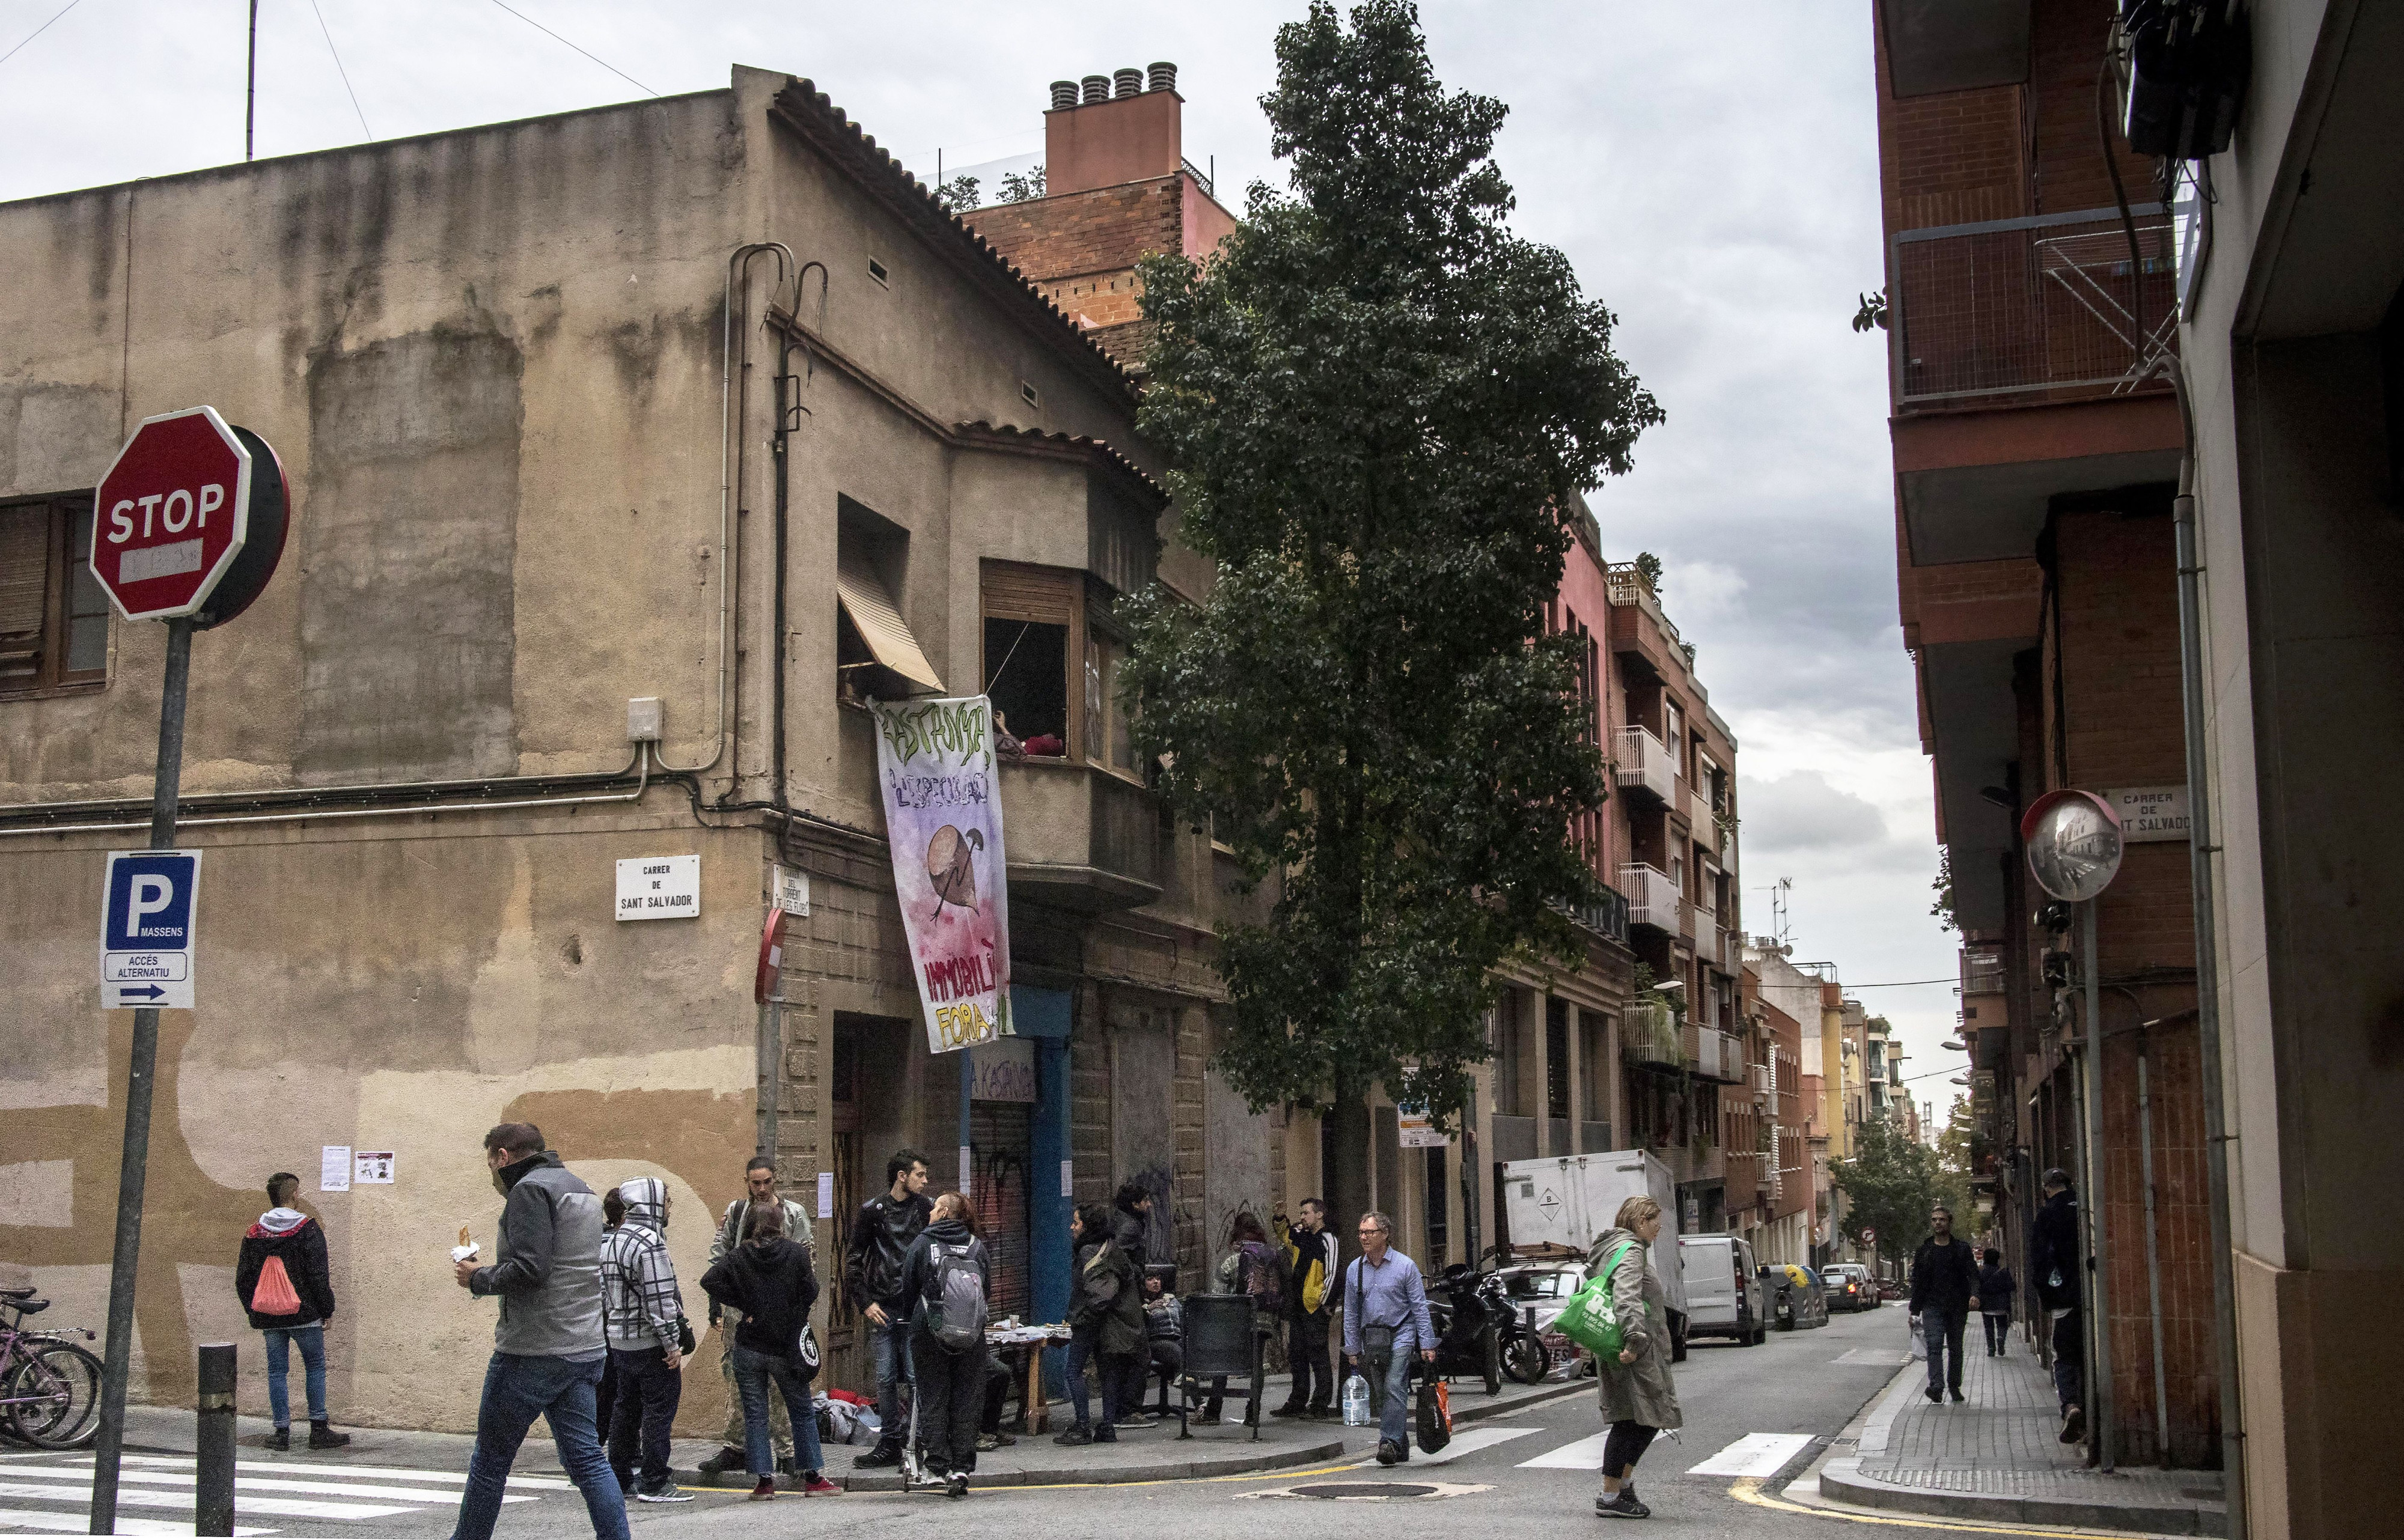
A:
[(172, 514)]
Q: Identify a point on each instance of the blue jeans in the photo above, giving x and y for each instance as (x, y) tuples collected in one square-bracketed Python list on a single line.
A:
[(280, 1339), (1942, 1330), (519, 1388), (754, 1372), (1389, 1388), (890, 1350), (1085, 1347)]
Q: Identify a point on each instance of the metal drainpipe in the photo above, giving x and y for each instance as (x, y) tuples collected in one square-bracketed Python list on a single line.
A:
[(2099, 1253), (2207, 978), (2153, 1254)]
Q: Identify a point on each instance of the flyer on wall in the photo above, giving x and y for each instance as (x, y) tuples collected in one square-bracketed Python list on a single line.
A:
[(943, 820)]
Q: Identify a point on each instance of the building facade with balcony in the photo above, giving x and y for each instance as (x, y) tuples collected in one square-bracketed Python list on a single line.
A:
[(2036, 450), (704, 402)]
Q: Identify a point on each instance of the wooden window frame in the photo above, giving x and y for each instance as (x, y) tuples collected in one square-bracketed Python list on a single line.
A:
[(1045, 596), (52, 676)]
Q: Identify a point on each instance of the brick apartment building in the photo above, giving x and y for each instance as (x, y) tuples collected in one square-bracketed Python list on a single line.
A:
[(1584, 1060), (2033, 473)]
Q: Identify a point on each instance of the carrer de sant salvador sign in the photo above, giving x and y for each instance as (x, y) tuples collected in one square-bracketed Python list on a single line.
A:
[(942, 819)]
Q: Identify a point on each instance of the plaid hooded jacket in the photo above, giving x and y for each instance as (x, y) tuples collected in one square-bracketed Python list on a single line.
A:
[(639, 1301)]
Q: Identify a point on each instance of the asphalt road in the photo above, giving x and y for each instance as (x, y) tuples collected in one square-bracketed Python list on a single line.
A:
[(1781, 1402)]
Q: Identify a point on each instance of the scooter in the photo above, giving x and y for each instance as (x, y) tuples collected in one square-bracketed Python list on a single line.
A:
[(1468, 1331), (1522, 1349)]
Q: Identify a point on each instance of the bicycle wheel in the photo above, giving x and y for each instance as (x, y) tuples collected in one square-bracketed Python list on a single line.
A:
[(54, 1396)]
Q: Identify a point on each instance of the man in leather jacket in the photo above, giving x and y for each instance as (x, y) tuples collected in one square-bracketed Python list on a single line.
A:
[(872, 1277)]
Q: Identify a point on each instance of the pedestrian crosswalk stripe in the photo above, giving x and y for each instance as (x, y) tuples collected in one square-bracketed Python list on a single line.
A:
[(349, 1472), (245, 1485), (142, 1497), (1469, 1441), (79, 1523), (1583, 1454), (1762, 1454)]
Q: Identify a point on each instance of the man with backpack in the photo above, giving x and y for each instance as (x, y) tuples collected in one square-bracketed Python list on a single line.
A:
[(872, 1276), (283, 1281), (945, 1279), (642, 1317), (760, 1186)]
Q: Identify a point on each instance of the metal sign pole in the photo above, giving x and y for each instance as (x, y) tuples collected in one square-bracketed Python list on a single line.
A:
[(138, 1083), (2099, 1311)]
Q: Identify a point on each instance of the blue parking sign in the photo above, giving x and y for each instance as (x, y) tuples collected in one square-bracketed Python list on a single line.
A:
[(147, 928)]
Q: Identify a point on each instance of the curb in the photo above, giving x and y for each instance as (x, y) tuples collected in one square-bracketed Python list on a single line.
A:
[(1103, 1476), (1842, 1480)]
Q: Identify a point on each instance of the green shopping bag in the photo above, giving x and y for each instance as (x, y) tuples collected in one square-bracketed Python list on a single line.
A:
[(1588, 1319)]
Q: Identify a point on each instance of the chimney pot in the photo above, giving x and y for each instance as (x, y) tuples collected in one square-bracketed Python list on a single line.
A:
[(1129, 82), (1164, 77), (1098, 88), (1064, 95)]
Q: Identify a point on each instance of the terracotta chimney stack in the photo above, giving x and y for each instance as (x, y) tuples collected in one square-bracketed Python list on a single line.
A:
[(1105, 140)]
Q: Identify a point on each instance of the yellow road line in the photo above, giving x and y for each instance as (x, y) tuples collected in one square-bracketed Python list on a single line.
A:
[(1747, 1489)]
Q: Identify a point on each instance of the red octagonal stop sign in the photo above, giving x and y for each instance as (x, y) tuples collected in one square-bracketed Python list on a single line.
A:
[(171, 515)]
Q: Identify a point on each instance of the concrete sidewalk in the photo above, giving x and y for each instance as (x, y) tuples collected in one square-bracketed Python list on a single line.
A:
[(1156, 1455), (1996, 1456)]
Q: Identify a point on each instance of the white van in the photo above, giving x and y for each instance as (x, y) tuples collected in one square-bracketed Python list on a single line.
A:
[(1724, 1297)]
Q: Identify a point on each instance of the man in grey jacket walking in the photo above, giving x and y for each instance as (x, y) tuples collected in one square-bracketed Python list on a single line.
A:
[(548, 1348)]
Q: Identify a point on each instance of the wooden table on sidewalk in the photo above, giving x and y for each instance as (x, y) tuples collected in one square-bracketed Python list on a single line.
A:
[(1021, 1348)]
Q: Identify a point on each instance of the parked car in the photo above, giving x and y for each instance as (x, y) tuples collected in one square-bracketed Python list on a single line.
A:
[(1801, 1300), (1536, 1293), (1851, 1288), (1725, 1293)]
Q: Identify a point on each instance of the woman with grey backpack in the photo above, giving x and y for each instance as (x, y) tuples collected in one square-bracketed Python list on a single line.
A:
[(947, 1277), (1639, 1397)]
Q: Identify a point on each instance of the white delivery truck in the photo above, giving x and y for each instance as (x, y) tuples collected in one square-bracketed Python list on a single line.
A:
[(1564, 1201)]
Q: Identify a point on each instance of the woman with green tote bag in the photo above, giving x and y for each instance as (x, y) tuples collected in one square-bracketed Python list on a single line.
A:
[(1638, 1398)]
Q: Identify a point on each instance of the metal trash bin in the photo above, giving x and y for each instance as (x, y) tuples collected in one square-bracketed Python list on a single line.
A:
[(1223, 1337)]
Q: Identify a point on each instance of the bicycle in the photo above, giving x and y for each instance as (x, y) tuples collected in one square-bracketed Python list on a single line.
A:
[(49, 1386)]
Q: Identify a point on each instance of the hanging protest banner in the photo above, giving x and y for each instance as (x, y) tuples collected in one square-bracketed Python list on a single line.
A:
[(942, 819)]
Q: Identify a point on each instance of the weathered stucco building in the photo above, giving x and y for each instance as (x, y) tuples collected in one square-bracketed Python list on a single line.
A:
[(705, 401)]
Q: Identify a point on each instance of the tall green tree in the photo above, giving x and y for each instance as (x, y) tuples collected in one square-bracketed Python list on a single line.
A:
[(1376, 401), (1890, 1184)]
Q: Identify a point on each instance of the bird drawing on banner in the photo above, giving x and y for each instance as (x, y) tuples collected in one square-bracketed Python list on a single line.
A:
[(951, 867)]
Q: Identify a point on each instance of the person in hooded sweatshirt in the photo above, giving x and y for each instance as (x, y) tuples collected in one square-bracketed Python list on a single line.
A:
[(768, 1278), (1639, 1397), (642, 1316), (950, 1381), (299, 1300)]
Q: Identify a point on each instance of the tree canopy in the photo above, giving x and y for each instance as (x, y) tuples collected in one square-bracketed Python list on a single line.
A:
[(1890, 1185), (1376, 403)]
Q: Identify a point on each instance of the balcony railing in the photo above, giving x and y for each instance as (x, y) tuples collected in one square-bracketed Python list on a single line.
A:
[(2048, 303), (1705, 925), (1624, 584), (1652, 896), (1982, 972), (1199, 176), (1713, 1054), (1607, 916), (1648, 1034), (1645, 764), (1698, 816)]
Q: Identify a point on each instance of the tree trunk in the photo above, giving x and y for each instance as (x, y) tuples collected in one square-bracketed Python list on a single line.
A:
[(1348, 1180)]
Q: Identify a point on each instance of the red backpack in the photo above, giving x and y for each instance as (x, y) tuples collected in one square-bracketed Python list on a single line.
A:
[(273, 1293)]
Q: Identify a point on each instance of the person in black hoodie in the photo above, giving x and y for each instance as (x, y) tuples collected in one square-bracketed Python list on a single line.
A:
[(2053, 1273), (872, 1276), (769, 1279), (299, 1300), (950, 1382), (1996, 1287)]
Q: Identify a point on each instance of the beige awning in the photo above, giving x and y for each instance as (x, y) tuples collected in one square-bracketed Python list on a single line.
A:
[(863, 597)]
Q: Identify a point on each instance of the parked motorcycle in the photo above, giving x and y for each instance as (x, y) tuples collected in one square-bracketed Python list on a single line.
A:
[(1526, 1357), (1468, 1332)]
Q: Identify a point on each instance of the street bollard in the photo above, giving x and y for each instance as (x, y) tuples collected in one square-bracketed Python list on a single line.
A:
[(213, 1482)]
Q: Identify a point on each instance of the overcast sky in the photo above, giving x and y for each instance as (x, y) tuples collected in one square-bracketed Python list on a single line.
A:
[(1710, 171)]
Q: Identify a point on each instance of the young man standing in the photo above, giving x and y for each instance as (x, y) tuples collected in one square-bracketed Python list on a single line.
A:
[(299, 1300), (1310, 1289), (1385, 1322), (759, 1186), (548, 1347), (642, 1316), (2053, 1273), (872, 1275), (1944, 1292)]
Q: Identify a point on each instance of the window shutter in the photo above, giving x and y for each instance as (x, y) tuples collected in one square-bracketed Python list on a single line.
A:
[(24, 583)]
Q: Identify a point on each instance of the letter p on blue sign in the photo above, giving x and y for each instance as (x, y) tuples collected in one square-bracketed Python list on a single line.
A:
[(147, 928)]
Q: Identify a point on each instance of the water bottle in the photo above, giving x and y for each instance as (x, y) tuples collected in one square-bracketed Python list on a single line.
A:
[(1356, 1402)]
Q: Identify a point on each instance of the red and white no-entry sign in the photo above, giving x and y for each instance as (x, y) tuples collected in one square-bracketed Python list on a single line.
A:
[(172, 514)]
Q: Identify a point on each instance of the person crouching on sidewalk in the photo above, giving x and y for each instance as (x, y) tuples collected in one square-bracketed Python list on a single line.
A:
[(769, 1279), (282, 1281)]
